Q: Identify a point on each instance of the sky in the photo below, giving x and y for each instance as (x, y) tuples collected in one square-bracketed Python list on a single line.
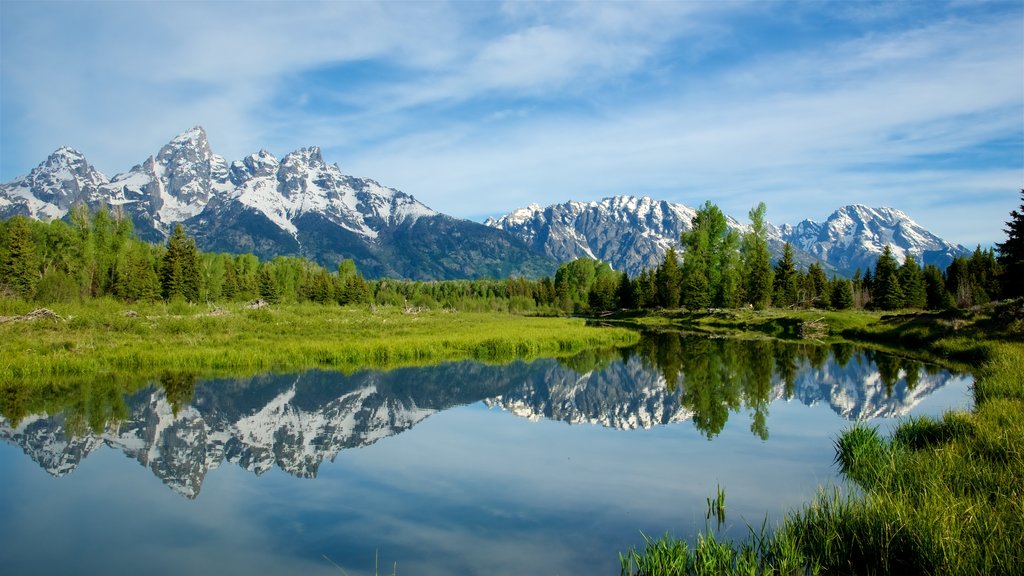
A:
[(479, 108)]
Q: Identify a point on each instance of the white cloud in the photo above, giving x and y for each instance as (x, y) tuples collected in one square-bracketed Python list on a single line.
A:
[(479, 109)]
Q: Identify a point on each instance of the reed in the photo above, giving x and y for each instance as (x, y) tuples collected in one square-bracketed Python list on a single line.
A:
[(938, 496)]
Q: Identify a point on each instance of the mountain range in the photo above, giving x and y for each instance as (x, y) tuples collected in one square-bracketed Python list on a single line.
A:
[(296, 422), (301, 206)]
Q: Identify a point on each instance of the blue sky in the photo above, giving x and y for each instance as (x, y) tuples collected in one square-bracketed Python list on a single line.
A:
[(478, 108)]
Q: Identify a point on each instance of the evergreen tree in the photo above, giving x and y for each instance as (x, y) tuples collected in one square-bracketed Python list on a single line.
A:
[(134, 276), (911, 281), (667, 280), (625, 296), (785, 287), (756, 260), (1011, 254), (817, 284), (985, 272), (958, 282), (18, 271), (841, 294), (936, 295), (268, 284), (887, 292), (180, 268), (710, 274)]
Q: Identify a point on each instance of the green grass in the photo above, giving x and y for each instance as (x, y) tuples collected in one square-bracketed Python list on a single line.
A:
[(100, 339), (939, 496)]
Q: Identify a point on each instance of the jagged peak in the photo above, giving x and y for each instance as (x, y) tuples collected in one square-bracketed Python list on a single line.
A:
[(193, 134), (310, 156)]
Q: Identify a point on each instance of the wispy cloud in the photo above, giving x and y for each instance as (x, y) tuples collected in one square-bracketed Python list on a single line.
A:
[(478, 108)]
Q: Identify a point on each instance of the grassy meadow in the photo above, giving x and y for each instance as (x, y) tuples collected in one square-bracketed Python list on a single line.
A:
[(102, 337)]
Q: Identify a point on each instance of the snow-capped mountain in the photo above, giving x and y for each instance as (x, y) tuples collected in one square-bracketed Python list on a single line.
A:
[(50, 189), (632, 234), (295, 206), (296, 422), (302, 206), (853, 237)]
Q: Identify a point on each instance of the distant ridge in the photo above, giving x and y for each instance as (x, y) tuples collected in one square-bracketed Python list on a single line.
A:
[(632, 234), (300, 205)]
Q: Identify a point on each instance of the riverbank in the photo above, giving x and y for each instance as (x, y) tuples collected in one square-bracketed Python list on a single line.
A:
[(939, 496), (102, 337)]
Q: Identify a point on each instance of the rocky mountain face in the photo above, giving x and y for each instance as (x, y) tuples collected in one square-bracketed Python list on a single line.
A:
[(302, 206), (50, 189), (295, 206), (296, 422), (853, 237), (633, 233)]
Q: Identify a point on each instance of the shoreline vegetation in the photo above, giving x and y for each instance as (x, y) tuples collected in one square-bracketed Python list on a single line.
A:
[(938, 496), (100, 338)]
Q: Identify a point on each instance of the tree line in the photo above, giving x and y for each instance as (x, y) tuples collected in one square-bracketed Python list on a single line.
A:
[(92, 255)]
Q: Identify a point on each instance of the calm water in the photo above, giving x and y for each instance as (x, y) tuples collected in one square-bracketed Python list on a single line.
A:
[(545, 467)]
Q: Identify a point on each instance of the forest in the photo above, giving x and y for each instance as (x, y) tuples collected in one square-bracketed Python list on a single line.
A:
[(96, 255)]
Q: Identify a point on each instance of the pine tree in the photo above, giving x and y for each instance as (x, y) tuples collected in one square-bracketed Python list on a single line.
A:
[(936, 295), (887, 292), (180, 268), (268, 284), (818, 286), (912, 283), (667, 280), (841, 294), (756, 260), (134, 276), (1011, 254), (785, 287), (18, 270)]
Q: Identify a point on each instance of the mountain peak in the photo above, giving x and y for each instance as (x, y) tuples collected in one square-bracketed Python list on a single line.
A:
[(193, 134)]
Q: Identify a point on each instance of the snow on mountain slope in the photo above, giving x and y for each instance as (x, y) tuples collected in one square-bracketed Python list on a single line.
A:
[(50, 189), (855, 236), (632, 234)]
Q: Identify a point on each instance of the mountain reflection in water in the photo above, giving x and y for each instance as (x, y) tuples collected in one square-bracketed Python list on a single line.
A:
[(182, 429)]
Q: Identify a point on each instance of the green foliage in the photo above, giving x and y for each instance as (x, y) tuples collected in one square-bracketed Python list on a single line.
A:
[(911, 280), (18, 268), (1011, 253), (756, 260), (667, 280), (886, 290), (784, 290), (936, 295), (180, 267), (841, 294), (268, 285)]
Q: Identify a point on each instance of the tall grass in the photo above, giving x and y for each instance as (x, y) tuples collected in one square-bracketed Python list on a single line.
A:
[(938, 496), (101, 337)]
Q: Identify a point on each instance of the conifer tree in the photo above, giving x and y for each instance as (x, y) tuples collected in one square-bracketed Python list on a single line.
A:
[(18, 271), (667, 280), (841, 294), (911, 281), (785, 286), (180, 269), (756, 260), (134, 276), (886, 291), (268, 284), (818, 286), (937, 296), (1011, 254)]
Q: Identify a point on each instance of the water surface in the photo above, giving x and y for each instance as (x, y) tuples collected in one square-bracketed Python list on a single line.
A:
[(543, 467)]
